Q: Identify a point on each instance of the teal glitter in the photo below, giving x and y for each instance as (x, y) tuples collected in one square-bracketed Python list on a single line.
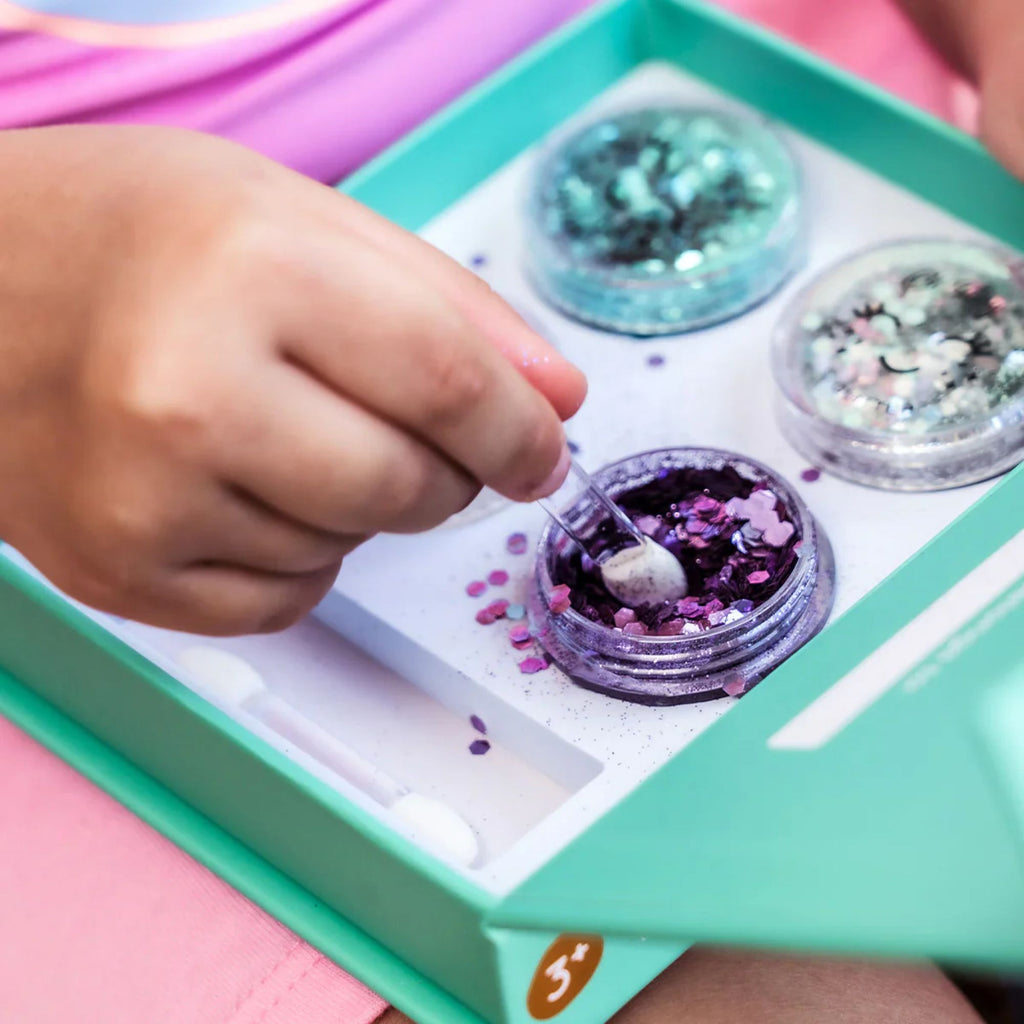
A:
[(666, 219)]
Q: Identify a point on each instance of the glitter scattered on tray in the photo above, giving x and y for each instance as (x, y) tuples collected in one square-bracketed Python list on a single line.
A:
[(479, 747), (531, 666), (516, 544)]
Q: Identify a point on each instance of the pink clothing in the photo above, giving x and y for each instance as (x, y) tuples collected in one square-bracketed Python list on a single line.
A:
[(104, 921), (321, 92), (317, 89)]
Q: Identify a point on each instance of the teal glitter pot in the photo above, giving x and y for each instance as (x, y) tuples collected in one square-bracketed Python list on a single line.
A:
[(903, 366), (663, 220)]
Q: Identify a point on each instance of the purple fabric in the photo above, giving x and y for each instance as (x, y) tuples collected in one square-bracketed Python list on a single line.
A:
[(321, 94)]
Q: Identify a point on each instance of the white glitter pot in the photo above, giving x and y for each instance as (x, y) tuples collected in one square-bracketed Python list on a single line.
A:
[(724, 660), (910, 454), (737, 265)]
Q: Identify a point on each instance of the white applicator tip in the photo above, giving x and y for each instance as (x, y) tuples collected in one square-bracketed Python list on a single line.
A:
[(435, 824), (644, 574)]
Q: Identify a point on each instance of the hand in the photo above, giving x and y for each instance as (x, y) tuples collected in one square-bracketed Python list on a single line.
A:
[(219, 377), (984, 40), (1001, 82)]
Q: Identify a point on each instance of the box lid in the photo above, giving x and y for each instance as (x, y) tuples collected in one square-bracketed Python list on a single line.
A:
[(854, 806)]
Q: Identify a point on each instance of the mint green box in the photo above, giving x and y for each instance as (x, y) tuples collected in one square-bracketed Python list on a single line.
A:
[(874, 782)]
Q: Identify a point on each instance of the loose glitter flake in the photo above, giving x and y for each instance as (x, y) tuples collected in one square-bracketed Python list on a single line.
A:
[(479, 747), (520, 637), (476, 588), (655, 361), (914, 338), (559, 599), (735, 687), (515, 611), (478, 723), (810, 476), (478, 260), (516, 544), (531, 666), (498, 578), (735, 539)]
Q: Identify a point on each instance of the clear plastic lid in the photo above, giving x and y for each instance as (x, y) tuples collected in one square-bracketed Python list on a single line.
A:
[(664, 219), (903, 366)]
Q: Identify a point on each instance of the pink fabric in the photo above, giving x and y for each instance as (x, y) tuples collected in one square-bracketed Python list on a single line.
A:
[(105, 922), (321, 94), (873, 39)]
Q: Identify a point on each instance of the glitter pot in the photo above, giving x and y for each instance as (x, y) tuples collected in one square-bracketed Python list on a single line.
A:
[(700, 663), (902, 367), (664, 219)]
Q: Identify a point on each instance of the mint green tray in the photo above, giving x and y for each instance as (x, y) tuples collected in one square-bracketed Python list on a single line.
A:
[(893, 839)]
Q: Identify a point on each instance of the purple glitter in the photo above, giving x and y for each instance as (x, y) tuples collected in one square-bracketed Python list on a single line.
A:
[(655, 360), (516, 544), (479, 747), (478, 723), (735, 539), (486, 617), (624, 616), (476, 588), (529, 666), (574, 448), (478, 260), (810, 476), (498, 578), (560, 599), (519, 634)]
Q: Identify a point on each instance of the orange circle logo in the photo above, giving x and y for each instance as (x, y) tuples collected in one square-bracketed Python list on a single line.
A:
[(563, 971)]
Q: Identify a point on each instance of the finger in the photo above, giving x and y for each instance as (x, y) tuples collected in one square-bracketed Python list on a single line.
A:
[(417, 362), (562, 383), (238, 528), (1002, 127), (230, 600), (319, 459)]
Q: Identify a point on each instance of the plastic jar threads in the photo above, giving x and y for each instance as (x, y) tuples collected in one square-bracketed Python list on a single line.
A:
[(760, 571), (903, 366), (663, 220)]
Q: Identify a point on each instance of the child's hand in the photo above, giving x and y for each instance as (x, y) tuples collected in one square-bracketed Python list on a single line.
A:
[(217, 378), (1001, 81), (984, 40)]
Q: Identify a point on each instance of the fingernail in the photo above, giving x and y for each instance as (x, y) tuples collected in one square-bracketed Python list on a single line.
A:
[(557, 476)]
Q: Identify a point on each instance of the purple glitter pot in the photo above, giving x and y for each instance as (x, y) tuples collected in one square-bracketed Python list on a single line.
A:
[(902, 367), (664, 219), (760, 570)]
